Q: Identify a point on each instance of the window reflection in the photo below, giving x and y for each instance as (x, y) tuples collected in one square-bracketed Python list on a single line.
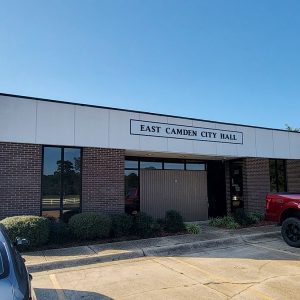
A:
[(174, 166), (61, 183), (195, 167), (71, 179), (51, 183), (151, 165), (277, 175), (132, 203)]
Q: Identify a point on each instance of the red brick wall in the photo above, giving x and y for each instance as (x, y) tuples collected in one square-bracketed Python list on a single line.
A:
[(256, 183), (293, 175), (103, 180), (20, 179)]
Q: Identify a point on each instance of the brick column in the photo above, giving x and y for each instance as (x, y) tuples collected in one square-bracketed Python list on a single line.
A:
[(256, 179), (103, 180), (293, 175), (20, 179)]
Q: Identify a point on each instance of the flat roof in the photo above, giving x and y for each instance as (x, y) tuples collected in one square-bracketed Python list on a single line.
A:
[(137, 111)]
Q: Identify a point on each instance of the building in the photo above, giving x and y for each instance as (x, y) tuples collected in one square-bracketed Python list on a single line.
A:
[(59, 158)]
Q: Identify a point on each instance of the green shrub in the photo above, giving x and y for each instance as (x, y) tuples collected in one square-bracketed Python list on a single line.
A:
[(59, 231), (143, 225), (256, 217), (174, 221), (246, 219), (33, 228), (161, 222), (225, 222), (160, 225), (121, 225), (193, 228), (90, 225)]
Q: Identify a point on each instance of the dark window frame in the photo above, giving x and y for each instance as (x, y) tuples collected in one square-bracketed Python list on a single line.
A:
[(163, 161), (61, 179), (276, 173)]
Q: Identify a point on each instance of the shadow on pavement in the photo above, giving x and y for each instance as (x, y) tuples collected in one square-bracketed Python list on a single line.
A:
[(47, 294)]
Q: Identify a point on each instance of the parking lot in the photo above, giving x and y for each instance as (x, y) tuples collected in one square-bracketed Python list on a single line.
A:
[(268, 269)]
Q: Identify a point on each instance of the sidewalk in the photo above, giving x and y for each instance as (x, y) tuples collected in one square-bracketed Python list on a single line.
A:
[(210, 237)]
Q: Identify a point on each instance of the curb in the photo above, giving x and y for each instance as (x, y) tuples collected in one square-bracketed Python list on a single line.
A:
[(153, 251)]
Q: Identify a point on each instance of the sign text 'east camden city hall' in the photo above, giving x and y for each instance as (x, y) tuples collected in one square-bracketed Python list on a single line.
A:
[(147, 128)]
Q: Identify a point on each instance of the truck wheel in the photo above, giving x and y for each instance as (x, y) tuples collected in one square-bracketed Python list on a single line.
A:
[(290, 231)]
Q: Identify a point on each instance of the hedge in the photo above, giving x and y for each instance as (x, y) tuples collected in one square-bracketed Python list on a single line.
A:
[(90, 225), (33, 228), (121, 225)]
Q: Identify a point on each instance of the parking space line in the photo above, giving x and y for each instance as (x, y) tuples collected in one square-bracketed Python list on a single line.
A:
[(58, 288), (207, 273)]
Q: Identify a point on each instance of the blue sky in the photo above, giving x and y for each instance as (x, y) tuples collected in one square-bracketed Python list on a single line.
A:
[(232, 61)]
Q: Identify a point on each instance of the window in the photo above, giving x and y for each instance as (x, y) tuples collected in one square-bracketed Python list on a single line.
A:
[(151, 165), (195, 167), (173, 166), (277, 175), (61, 182), (135, 165)]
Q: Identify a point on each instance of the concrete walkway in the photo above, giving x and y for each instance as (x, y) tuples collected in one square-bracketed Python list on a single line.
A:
[(209, 237)]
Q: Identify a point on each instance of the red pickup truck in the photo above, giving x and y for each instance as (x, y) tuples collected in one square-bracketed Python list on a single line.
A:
[(284, 208)]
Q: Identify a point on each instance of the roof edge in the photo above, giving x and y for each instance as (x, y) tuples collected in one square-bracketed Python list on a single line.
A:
[(138, 111)]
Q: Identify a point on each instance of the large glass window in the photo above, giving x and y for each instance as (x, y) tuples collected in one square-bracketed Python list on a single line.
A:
[(151, 165), (173, 166), (195, 167), (132, 203), (61, 182), (277, 175), (133, 166)]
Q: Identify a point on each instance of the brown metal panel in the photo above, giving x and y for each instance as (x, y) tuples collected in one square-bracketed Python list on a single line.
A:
[(184, 191)]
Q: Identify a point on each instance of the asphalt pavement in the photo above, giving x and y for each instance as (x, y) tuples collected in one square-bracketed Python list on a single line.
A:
[(258, 268)]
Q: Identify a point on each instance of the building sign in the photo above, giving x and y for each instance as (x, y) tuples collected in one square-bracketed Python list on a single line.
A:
[(147, 128)]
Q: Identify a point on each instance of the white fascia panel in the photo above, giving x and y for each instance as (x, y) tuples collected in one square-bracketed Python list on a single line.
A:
[(248, 148), (180, 145), (264, 143), (281, 144), (154, 143), (204, 147), (119, 130), (91, 126), (294, 138), (55, 123), (227, 148), (17, 120)]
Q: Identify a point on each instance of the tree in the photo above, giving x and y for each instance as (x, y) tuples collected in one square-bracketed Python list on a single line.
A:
[(289, 128)]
